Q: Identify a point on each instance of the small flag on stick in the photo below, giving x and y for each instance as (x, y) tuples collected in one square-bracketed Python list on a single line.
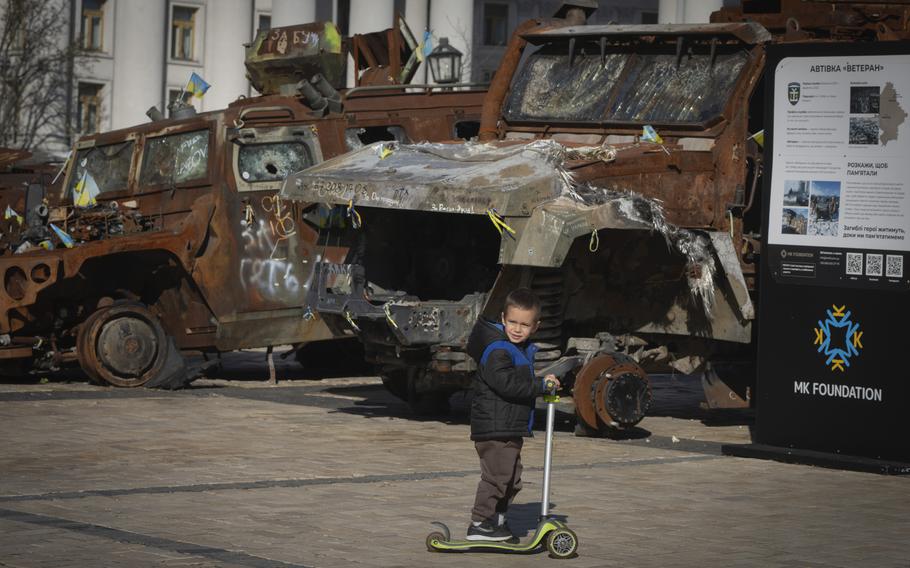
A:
[(197, 86), (425, 46), (85, 191)]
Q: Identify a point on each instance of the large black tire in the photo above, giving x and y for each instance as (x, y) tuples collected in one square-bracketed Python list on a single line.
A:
[(124, 345)]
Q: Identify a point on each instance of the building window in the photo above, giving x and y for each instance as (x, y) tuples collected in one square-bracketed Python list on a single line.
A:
[(89, 112), (649, 17), (265, 22), (93, 25), (495, 24), (183, 23)]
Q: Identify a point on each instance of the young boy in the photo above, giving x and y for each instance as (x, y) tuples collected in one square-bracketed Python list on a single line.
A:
[(502, 412)]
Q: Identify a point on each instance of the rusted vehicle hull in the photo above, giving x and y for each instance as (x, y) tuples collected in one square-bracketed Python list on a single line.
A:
[(170, 236), (617, 179)]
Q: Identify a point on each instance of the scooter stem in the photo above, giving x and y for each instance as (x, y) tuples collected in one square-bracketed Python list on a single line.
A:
[(547, 458)]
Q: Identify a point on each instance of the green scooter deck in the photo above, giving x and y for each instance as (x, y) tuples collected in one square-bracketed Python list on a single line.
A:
[(442, 542)]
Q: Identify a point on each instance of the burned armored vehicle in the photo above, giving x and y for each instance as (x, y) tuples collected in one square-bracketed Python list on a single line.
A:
[(615, 175), (170, 236)]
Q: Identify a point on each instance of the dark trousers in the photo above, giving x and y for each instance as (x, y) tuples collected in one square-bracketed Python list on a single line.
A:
[(500, 476)]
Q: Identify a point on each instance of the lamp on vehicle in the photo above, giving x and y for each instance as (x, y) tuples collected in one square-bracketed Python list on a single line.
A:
[(445, 63)]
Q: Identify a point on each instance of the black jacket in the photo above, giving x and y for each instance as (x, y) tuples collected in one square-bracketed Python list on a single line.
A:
[(504, 387)]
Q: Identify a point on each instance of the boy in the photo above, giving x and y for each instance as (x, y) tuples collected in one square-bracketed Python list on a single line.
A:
[(502, 412)]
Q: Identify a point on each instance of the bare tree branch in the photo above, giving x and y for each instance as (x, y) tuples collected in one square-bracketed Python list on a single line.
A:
[(35, 58)]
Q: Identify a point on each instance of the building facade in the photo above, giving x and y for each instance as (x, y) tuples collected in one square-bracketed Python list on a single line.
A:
[(141, 53)]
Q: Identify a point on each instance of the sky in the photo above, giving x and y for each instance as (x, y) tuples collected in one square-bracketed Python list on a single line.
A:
[(825, 188)]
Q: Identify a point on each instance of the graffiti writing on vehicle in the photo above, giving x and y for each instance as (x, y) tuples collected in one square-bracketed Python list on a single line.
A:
[(266, 265)]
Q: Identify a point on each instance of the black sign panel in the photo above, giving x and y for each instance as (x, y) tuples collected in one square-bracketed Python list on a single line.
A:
[(834, 312)]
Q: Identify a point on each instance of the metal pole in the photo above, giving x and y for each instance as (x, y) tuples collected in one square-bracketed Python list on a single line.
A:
[(547, 458)]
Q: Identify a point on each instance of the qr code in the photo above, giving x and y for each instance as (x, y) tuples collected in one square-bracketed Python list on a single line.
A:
[(855, 263), (895, 266), (873, 265)]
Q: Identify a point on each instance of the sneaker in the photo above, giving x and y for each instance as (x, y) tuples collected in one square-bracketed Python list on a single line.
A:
[(501, 522), (485, 530)]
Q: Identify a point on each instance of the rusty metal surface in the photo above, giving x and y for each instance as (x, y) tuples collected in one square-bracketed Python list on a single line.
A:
[(281, 56), (583, 389), (748, 32), (499, 86), (427, 177), (801, 20), (386, 57), (189, 224)]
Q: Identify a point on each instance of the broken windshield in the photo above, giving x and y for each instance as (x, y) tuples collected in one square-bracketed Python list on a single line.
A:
[(175, 158), (273, 161), (623, 87), (104, 168)]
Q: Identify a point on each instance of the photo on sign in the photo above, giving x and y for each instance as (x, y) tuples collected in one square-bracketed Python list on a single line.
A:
[(864, 100), (864, 130), (796, 193), (794, 221), (824, 208)]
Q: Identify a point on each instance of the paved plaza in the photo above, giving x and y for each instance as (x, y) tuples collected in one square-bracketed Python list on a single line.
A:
[(337, 473)]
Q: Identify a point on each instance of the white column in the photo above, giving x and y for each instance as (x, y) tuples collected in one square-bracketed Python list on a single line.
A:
[(368, 16), (228, 23), (687, 11), (454, 19), (415, 14), (671, 11), (700, 12), (292, 12), (139, 43)]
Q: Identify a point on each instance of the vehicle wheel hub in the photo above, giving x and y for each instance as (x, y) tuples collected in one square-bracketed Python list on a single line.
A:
[(127, 346)]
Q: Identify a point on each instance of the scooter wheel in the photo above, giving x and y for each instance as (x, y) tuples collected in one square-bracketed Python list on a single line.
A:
[(434, 537), (562, 543)]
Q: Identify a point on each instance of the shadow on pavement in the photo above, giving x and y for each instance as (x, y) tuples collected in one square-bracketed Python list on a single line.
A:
[(522, 517)]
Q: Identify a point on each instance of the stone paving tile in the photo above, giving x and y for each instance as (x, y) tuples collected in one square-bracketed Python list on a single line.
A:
[(254, 481)]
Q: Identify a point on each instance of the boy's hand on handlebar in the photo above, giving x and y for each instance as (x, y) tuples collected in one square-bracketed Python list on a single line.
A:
[(552, 383)]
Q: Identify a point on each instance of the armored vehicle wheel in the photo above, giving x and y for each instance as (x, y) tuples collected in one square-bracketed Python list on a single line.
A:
[(562, 543), (125, 346), (611, 392)]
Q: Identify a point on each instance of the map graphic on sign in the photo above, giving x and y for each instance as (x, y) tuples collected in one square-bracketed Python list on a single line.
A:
[(891, 114)]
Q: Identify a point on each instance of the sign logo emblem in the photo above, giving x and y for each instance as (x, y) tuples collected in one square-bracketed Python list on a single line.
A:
[(838, 338), (793, 93)]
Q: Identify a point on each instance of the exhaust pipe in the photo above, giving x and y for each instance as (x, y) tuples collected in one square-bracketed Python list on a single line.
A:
[(328, 91)]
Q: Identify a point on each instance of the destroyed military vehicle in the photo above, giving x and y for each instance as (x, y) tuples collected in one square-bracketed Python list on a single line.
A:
[(616, 175), (170, 236)]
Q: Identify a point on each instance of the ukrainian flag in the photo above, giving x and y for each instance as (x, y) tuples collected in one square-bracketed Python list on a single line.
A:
[(197, 86), (425, 46)]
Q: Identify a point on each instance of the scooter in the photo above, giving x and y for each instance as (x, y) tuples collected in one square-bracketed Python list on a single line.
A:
[(561, 541)]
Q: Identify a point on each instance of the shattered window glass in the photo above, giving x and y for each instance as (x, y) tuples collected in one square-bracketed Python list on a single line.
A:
[(624, 87), (274, 161), (176, 158), (357, 138), (107, 167)]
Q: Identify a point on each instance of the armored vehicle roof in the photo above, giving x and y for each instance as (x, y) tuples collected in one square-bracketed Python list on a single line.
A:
[(748, 32)]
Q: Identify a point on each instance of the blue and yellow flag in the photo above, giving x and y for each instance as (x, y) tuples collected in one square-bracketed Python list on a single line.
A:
[(425, 46), (197, 86), (85, 191)]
